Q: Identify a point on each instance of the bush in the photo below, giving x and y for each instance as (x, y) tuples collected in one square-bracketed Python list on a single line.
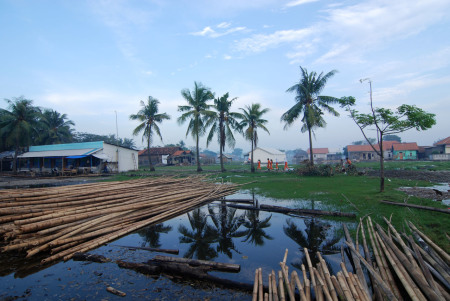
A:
[(323, 170)]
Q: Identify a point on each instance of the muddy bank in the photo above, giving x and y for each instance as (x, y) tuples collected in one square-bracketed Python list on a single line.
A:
[(419, 175), (28, 182)]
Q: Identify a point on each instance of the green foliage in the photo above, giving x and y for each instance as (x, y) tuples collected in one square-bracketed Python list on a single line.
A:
[(111, 139), (252, 121), (195, 112), (310, 106), (54, 128), (322, 170), (149, 118), (392, 138)]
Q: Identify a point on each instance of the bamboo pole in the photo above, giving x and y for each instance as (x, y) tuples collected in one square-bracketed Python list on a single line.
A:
[(255, 286), (441, 252)]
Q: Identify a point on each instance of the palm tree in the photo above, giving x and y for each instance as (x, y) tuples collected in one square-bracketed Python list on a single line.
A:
[(251, 120), (200, 238), (222, 123), (309, 104), (149, 118), (56, 128), (18, 125), (196, 110)]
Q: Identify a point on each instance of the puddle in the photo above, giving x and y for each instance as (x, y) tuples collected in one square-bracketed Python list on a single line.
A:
[(214, 232)]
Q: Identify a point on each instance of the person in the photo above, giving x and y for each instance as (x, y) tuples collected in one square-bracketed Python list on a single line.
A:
[(276, 165), (259, 164), (285, 166), (271, 164), (268, 164), (342, 166), (348, 161)]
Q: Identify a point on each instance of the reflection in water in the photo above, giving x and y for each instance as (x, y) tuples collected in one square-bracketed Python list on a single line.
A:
[(152, 234), (314, 238), (255, 233), (200, 237), (227, 225)]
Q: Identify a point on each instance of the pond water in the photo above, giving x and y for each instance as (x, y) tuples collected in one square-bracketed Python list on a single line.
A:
[(214, 232)]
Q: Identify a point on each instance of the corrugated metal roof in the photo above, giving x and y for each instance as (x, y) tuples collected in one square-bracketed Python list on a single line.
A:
[(67, 146), (59, 153)]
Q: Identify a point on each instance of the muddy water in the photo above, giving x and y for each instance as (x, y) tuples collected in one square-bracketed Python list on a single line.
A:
[(214, 232)]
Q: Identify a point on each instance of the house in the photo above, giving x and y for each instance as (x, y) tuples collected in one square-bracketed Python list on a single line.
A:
[(319, 154), (405, 151), (6, 160), (265, 153), (94, 156), (181, 157), (441, 150), (158, 155), (365, 152)]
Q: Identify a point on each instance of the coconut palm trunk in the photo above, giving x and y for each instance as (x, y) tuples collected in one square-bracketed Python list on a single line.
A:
[(197, 154), (152, 168), (311, 155)]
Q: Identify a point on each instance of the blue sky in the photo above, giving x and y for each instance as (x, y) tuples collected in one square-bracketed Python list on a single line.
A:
[(91, 59)]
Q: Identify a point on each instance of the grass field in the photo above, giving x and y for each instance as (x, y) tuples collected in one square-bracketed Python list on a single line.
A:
[(358, 194)]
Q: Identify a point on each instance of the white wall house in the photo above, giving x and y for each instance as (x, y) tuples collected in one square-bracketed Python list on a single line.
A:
[(92, 156), (265, 153)]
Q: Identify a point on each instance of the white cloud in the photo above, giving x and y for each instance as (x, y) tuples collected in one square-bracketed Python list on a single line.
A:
[(209, 32), (261, 42), (224, 25), (299, 2), (227, 57)]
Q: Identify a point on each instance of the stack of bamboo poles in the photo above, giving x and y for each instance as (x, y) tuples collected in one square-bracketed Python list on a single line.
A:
[(65, 220), (397, 272)]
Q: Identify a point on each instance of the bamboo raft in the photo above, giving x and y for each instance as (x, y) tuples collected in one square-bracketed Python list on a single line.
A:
[(402, 268), (60, 221)]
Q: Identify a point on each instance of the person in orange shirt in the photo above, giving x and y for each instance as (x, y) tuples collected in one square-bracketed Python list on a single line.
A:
[(276, 165), (259, 164), (268, 164), (285, 166)]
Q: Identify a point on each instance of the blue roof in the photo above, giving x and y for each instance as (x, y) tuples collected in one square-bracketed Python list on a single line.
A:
[(66, 146)]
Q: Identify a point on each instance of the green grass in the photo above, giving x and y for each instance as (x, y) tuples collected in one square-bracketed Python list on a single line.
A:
[(358, 194), (408, 165)]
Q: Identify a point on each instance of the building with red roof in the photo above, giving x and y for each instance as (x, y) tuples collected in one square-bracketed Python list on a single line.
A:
[(318, 153), (365, 152), (405, 151), (158, 155)]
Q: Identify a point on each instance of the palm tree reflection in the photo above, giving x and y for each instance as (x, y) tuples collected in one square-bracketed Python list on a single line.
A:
[(151, 235), (314, 238), (255, 233), (227, 226), (200, 237)]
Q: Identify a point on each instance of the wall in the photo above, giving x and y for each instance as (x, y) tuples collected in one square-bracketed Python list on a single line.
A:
[(125, 157), (405, 155), (262, 155)]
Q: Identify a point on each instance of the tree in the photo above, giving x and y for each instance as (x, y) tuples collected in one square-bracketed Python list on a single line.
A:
[(223, 123), (149, 118), (55, 128), (196, 110), (387, 122), (252, 120), (392, 138), (18, 125), (111, 139), (310, 106)]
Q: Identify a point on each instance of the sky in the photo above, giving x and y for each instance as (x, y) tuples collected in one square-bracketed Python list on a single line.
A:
[(95, 60)]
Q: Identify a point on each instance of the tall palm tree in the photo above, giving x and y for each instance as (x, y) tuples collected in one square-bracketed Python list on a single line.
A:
[(310, 106), (56, 128), (222, 123), (252, 120), (149, 118), (18, 125), (196, 110)]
